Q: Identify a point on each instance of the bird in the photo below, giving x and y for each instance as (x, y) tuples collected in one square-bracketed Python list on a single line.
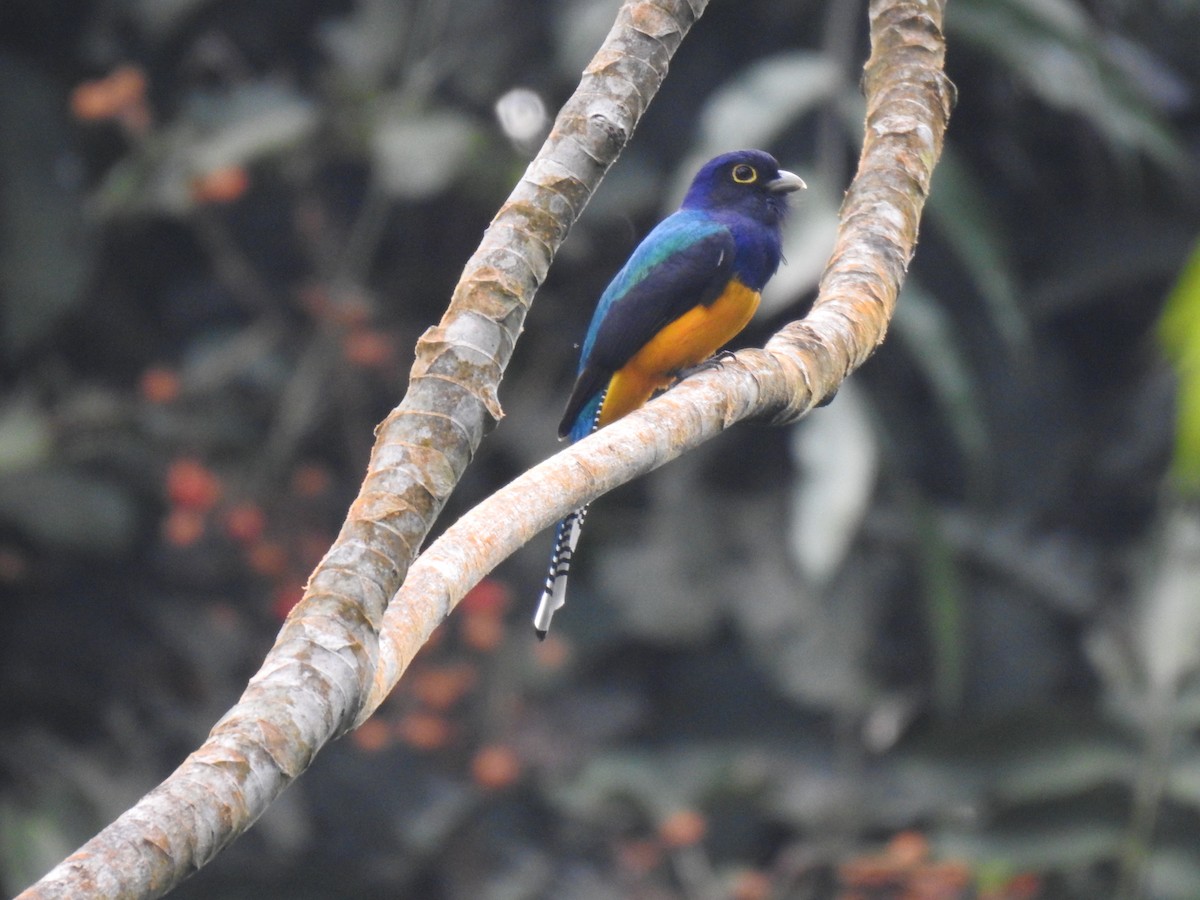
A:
[(689, 287)]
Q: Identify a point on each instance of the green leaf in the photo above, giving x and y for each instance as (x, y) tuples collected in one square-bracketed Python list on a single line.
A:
[(1179, 332)]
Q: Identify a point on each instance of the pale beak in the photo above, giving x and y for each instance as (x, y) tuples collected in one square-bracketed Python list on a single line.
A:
[(786, 183)]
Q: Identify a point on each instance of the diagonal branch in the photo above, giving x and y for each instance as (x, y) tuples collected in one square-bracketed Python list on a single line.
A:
[(315, 679), (908, 107)]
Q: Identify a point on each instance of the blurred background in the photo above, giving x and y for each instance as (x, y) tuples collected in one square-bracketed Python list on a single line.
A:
[(940, 639)]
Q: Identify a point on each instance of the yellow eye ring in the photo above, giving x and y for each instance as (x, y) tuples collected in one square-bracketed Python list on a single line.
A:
[(744, 174)]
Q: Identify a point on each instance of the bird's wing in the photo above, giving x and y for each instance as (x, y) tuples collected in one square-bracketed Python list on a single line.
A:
[(683, 263)]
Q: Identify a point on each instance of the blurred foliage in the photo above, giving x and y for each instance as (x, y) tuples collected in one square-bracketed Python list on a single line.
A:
[(1179, 330), (939, 640)]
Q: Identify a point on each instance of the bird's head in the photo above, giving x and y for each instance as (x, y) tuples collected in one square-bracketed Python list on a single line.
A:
[(745, 181)]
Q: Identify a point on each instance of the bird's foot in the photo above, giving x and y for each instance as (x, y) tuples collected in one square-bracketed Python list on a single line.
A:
[(713, 362)]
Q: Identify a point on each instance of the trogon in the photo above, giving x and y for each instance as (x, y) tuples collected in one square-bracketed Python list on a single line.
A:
[(689, 287)]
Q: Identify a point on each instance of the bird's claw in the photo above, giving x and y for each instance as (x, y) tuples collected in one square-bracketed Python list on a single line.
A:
[(713, 362)]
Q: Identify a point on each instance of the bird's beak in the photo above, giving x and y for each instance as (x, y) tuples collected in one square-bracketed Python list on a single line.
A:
[(786, 183)]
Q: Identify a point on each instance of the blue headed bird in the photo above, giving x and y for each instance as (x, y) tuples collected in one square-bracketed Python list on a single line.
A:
[(688, 288)]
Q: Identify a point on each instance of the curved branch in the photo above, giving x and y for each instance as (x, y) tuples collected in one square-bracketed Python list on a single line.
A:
[(909, 100), (315, 679)]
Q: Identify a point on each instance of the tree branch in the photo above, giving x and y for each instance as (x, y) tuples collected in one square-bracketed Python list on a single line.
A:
[(909, 100), (315, 679)]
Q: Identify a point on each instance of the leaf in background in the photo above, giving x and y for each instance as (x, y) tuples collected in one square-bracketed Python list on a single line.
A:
[(25, 436), (365, 46), (1081, 841), (657, 782), (46, 252), (808, 239), (1172, 875), (253, 121), (757, 104), (68, 510), (943, 595), (1057, 51), (1179, 332), (838, 454), (1168, 611), (417, 156), (579, 28), (160, 17), (927, 334), (1183, 780), (1060, 768), (959, 210)]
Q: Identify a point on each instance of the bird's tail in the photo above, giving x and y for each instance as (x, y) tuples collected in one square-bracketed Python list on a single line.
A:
[(566, 537)]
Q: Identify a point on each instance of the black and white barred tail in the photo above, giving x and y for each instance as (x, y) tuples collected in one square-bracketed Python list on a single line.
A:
[(554, 595), (566, 537)]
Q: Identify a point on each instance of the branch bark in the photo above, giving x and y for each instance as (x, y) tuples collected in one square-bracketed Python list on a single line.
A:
[(314, 681), (909, 100)]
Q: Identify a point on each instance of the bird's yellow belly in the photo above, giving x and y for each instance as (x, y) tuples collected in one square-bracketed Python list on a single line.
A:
[(685, 342)]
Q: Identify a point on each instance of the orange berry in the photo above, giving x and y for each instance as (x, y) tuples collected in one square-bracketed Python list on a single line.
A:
[(351, 308), (191, 484), (553, 652), (750, 884), (423, 731), (245, 522), (222, 185), (128, 84), (159, 385), (482, 633), (490, 596), (639, 857), (372, 735), (442, 687), (267, 558), (368, 348), (310, 480), (285, 600), (183, 526), (121, 96), (91, 101), (496, 767), (683, 828), (939, 881), (1025, 886), (907, 848)]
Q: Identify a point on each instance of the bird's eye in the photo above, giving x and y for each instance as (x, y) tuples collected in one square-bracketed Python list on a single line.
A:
[(744, 174)]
